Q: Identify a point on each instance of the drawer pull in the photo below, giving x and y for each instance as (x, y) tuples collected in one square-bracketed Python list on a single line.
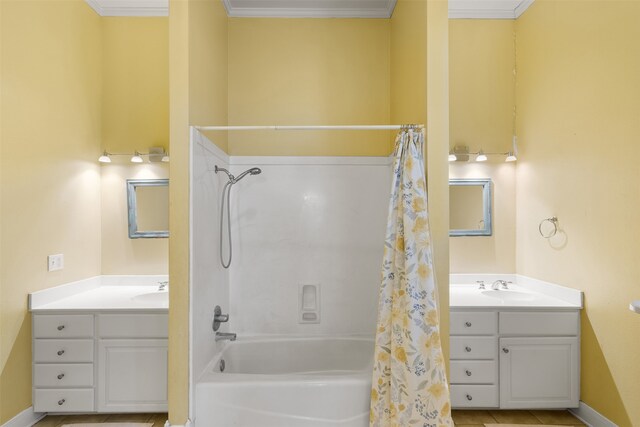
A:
[(469, 397), (60, 352), (467, 324), (468, 372), (467, 349), (61, 402), (505, 350), (61, 327), (61, 376)]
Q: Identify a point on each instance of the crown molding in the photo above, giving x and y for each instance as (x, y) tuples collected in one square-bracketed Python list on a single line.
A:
[(289, 9), (487, 9), (130, 7)]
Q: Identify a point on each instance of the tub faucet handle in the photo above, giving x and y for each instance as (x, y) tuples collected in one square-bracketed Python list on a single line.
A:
[(219, 318), (225, 336), (480, 284)]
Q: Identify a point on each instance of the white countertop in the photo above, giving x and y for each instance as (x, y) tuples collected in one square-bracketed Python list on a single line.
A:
[(524, 292), (104, 293), (516, 297)]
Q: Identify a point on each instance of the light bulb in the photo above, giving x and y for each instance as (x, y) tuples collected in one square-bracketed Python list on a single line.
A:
[(452, 157), (481, 157), (136, 158), (104, 158), (511, 157)]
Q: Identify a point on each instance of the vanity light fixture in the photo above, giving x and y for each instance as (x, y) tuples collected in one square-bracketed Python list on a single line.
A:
[(511, 157), (154, 155), (137, 158), (105, 158), (452, 156), (481, 157)]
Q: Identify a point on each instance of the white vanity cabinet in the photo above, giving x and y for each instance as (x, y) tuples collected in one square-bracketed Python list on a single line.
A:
[(539, 359), (97, 362), (63, 369), (132, 362), (515, 359), (474, 359)]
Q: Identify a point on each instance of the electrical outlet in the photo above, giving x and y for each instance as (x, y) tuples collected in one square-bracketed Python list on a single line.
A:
[(55, 262)]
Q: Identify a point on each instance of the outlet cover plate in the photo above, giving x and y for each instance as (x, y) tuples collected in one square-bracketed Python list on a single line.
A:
[(55, 262)]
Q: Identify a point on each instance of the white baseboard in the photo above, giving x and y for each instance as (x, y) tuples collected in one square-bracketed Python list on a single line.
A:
[(591, 417), (187, 424), (26, 418)]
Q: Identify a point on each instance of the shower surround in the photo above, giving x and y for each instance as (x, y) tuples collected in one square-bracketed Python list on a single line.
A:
[(303, 220)]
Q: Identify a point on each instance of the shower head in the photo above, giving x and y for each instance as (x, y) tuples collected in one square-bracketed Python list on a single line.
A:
[(252, 171)]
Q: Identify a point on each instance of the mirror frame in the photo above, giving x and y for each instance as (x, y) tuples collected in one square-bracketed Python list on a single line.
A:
[(486, 207), (132, 205)]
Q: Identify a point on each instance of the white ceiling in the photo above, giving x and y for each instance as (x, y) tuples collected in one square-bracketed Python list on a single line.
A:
[(458, 9)]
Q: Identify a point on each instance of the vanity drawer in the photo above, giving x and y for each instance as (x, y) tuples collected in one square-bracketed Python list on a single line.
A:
[(62, 326), (63, 351), (559, 323), (474, 396), (474, 372), (473, 347), (133, 326), (63, 400), (63, 375), (473, 323)]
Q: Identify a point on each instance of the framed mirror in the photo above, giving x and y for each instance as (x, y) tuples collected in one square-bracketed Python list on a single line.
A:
[(148, 207), (470, 207)]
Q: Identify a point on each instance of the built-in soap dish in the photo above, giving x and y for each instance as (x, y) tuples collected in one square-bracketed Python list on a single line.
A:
[(309, 303)]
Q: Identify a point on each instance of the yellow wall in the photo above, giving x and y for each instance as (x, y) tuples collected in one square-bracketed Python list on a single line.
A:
[(482, 90), (420, 94), (578, 98), (495, 253), (197, 82), (437, 151), (308, 72), (135, 115), (50, 180)]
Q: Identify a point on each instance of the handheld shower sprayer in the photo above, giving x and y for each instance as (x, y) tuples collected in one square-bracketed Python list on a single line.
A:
[(226, 193)]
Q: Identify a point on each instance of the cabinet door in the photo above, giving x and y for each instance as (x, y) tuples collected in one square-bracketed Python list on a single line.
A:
[(132, 375), (539, 373)]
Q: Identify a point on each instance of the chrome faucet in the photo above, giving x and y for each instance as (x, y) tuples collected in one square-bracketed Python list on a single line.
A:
[(224, 336), (162, 286), (480, 284), (500, 284)]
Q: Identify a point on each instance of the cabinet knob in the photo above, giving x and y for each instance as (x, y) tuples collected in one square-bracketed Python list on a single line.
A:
[(469, 397), (61, 402), (61, 376), (60, 352), (505, 350), (61, 327), (467, 349), (468, 372), (467, 324)]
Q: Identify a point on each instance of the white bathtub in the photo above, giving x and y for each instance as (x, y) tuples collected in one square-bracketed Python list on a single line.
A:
[(288, 382)]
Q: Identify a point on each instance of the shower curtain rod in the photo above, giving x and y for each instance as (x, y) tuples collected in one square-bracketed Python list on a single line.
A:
[(338, 127)]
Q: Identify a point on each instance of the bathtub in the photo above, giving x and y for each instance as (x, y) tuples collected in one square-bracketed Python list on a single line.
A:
[(287, 382)]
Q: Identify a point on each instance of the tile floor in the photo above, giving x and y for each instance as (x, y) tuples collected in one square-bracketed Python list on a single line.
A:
[(478, 418), (158, 420), (460, 418)]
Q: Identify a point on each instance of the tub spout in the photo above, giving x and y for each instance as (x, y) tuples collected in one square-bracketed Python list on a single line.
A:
[(222, 336)]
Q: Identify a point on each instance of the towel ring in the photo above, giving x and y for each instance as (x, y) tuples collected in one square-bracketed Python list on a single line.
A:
[(554, 222)]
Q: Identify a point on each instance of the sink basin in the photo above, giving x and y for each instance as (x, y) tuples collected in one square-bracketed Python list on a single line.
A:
[(506, 295), (155, 297)]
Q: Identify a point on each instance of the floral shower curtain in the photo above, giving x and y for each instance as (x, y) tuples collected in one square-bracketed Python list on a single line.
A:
[(409, 379)]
